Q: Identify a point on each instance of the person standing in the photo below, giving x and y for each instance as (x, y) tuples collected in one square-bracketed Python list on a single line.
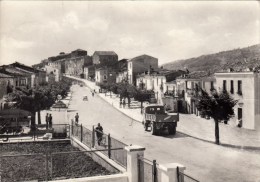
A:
[(124, 103), (99, 133), (77, 118), (50, 121), (47, 120)]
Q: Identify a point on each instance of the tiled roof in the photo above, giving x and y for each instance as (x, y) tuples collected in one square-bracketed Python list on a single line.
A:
[(105, 53), (195, 75), (3, 75)]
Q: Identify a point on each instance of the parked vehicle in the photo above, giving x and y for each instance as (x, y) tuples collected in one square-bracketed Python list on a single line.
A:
[(85, 98), (155, 118)]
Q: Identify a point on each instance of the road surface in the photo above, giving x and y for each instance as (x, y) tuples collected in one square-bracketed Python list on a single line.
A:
[(204, 161)]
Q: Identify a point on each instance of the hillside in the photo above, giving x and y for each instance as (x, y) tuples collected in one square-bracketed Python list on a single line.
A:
[(236, 59)]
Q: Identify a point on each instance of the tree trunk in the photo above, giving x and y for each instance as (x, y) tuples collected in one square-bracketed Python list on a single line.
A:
[(141, 107), (129, 101), (39, 117), (33, 121), (216, 131)]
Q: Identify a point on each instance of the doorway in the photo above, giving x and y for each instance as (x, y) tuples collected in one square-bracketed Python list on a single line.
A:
[(239, 117)]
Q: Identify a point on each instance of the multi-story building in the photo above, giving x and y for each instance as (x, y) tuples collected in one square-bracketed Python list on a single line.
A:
[(139, 65), (187, 84), (157, 81), (89, 72), (105, 58), (244, 87), (49, 69), (75, 64), (105, 75)]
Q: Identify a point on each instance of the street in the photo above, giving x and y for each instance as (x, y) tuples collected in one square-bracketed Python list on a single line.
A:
[(204, 161)]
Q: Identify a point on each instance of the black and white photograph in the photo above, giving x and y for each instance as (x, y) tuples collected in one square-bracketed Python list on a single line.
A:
[(129, 91)]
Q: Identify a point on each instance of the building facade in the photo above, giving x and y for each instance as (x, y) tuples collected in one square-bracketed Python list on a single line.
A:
[(244, 87), (105, 75), (105, 58), (139, 65)]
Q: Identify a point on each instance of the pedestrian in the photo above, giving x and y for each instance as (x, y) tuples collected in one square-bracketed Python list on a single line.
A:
[(50, 121), (77, 118), (99, 133), (47, 121), (124, 103), (93, 94), (120, 103)]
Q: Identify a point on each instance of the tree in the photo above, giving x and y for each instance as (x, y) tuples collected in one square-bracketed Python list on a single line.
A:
[(142, 96), (219, 106), (40, 97)]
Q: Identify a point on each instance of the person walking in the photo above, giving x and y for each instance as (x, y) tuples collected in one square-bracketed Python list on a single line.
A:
[(99, 133), (77, 118), (50, 121), (47, 121), (124, 103)]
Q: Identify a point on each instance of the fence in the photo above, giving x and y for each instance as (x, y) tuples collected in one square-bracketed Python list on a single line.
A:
[(37, 132), (184, 177), (101, 141), (52, 166), (148, 171)]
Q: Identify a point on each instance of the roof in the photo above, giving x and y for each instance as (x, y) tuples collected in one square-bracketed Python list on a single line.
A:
[(59, 104), (195, 75), (137, 57), (3, 75), (24, 67), (104, 53)]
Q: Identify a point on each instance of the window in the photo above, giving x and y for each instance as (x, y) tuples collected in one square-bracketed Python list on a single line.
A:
[(105, 77), (239, 87), (224, 85), (231, 86)]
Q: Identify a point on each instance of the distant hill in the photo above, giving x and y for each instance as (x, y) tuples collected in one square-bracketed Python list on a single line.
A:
[(237, 59)]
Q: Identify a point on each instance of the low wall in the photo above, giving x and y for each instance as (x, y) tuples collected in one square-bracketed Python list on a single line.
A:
[(98, 157), (108, 178)]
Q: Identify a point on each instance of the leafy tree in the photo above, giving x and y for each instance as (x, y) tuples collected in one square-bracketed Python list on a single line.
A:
[(40, 97), (126, 90), (142, 96), (219, 106)]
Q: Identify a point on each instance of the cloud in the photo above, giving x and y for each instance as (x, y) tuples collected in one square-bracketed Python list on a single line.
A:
[(169, 30)]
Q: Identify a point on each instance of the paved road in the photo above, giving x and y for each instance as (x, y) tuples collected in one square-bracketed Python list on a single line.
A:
[(204, 161)]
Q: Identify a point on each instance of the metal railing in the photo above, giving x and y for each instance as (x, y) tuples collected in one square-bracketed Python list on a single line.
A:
[(101, 141), (147, 170), (182, 177)]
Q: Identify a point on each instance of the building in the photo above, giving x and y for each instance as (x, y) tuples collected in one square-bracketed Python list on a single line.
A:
[(49, 69), (105, 75), (122, 71), (89, 72), (105, 58), (139, 65), (186, 86), (157, 81), (244, 87), (75, 64)]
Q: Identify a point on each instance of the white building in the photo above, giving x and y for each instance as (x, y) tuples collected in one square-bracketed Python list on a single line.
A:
[(244, 87), (51, 69)]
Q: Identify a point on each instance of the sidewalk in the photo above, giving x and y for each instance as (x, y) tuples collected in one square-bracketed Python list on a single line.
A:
[(192, 125)]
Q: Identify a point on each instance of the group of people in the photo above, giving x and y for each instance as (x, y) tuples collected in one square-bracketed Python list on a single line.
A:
[(48, 120), (122, 103)]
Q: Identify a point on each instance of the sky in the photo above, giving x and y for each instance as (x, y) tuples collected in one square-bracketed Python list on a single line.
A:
[(31, 31)]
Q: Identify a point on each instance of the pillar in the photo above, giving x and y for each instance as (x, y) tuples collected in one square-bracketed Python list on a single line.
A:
[(132, 161), (169, 172)]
